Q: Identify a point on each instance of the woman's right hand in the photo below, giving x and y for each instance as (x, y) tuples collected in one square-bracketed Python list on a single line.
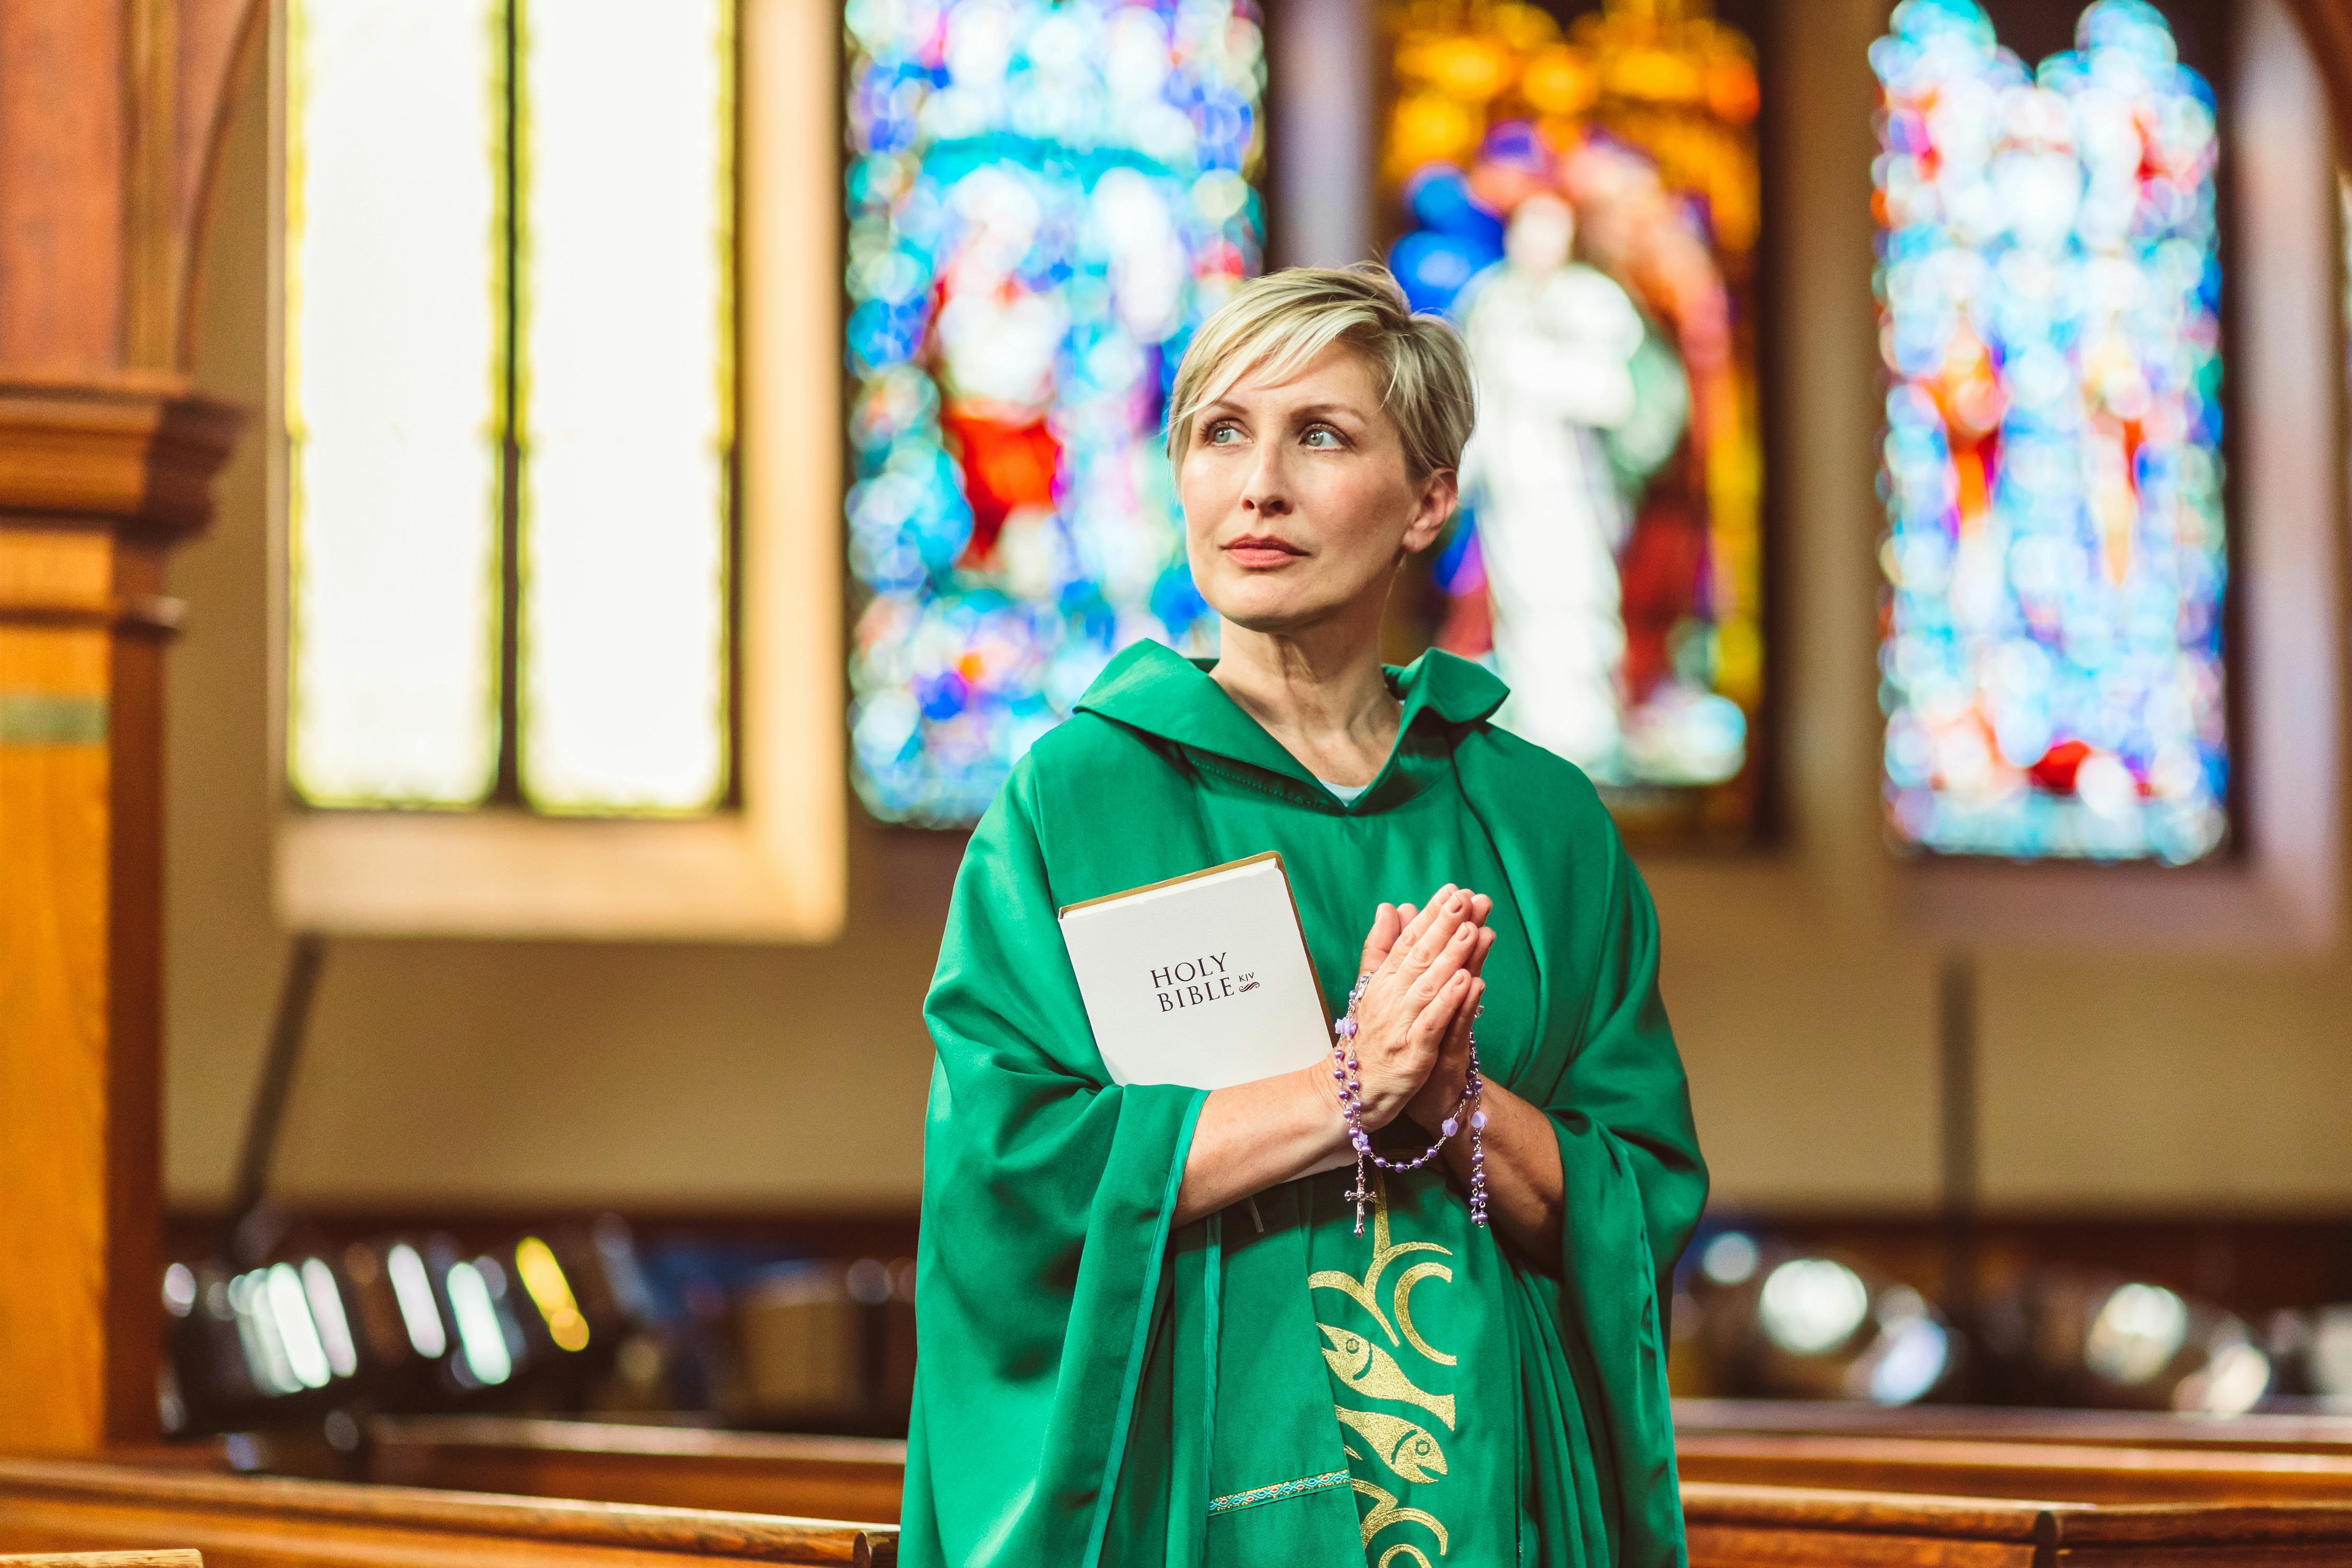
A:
[(1421, 964)]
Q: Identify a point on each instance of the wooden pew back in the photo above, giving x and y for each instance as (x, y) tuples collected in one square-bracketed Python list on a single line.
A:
[(241, 1522), (2084, 1428), (861, 1478), (676, 1467), (1792, 1527), (2048, 1471)]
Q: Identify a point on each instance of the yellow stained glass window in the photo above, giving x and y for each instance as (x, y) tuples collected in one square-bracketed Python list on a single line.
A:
[(1577, 189)]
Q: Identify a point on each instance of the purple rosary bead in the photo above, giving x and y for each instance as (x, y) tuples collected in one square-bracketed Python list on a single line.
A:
[(1346, 1071)]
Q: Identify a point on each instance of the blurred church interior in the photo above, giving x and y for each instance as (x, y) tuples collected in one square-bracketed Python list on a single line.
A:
[(529, 533)]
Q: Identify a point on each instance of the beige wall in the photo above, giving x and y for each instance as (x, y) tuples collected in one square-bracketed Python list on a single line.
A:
[(543, 1073)]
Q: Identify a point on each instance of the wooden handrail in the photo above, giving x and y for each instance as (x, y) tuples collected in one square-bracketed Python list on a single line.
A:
[(2090, 1428), (1809, 1527), (839, 1478), (246, 1523), (165, 1558), (2073, 1473), (630, 1437)]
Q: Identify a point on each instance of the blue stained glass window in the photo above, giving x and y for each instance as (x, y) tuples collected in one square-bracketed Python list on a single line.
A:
[(2049, 279), (1044, 200)]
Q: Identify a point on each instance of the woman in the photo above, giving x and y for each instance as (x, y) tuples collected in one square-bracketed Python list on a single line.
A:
[(1148, 1334)]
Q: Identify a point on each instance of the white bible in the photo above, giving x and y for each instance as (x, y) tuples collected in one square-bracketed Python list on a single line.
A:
[(1203, 981)]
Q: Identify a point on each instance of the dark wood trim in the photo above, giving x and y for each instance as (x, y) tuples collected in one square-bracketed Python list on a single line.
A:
[(136, 615)]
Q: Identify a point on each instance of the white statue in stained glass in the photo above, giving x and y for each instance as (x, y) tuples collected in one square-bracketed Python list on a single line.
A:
[(1553, 343)]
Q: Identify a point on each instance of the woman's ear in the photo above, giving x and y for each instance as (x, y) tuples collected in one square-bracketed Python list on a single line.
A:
[(1439, 493)]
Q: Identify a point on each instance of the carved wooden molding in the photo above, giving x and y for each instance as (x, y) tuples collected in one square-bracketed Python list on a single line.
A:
[(136, 454)]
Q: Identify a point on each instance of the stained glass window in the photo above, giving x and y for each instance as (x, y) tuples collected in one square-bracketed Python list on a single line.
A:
[(509, 402), (2049, 285), (1585, 200), (1044, 200)]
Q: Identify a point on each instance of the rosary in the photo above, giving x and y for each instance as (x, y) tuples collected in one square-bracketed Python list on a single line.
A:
[(1352, 1106)]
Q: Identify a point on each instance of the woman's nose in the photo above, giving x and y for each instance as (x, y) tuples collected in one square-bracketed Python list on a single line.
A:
[(1266, 492)]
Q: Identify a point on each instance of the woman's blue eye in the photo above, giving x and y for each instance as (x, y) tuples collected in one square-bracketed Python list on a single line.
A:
[(1322, 438), (1217, 433)]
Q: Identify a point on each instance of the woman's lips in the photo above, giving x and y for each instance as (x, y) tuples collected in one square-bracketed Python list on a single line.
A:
[(1261, 551)]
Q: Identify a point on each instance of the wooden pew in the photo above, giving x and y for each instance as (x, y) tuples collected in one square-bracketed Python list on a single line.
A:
[(860, 1478), (242, 1523), (2069, 1455), (676, 1467), (1799, 1491), (2048, 1471), (2087, 1428), (1791, 1526), (1732, 1525)]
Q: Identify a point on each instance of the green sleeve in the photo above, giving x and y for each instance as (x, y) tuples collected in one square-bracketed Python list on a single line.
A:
[(1047, 1196), (1634, 1187)]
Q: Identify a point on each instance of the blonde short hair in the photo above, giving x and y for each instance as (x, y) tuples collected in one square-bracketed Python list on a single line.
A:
[(1281, 322)]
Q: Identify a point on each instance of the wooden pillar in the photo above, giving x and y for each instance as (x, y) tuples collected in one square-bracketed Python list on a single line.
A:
[(107, 113)]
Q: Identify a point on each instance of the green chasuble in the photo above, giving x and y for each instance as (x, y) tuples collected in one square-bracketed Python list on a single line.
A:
[(1100, 1385)]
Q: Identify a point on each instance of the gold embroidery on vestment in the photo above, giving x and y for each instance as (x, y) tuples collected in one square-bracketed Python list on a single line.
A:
[(1405, 1282), (1386, 1512), (1369, 1369), (1365, 1292), (1404, 1446), (1410, 1451)]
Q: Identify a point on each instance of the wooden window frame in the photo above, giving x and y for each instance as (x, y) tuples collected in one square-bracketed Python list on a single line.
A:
[(774, 867)]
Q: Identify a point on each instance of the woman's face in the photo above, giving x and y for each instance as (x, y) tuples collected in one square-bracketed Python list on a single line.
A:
[(1297, 501)]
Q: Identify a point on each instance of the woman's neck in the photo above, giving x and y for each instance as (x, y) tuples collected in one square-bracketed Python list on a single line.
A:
[(1321, 693)]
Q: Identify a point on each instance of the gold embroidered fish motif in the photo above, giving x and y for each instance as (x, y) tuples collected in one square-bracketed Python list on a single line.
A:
[(1404, 1446), (1385, 1513), (1372, 1370)]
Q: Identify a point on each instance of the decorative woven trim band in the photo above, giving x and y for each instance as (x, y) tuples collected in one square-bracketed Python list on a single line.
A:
[(1278, 1491)]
